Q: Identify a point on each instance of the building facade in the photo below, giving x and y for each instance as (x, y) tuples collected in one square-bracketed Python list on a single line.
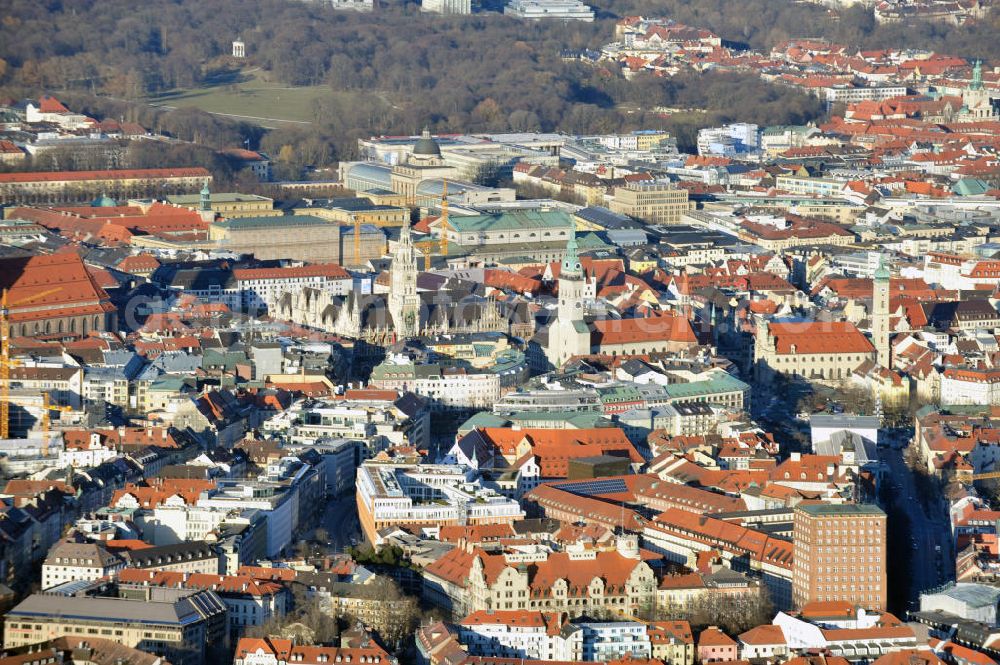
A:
[(656, 203), (840, 555)]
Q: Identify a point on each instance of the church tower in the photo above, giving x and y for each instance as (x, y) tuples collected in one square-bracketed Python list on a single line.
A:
[(976, 98), (569, 335), (205, 204), (880, 313), (404, 303)]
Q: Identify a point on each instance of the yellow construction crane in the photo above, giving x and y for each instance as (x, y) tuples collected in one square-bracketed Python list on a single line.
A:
[(426, 248), (444, 219), (47, 408), (6, 363), (357, 242)]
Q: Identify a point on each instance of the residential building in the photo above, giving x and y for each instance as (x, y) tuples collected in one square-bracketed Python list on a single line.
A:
[(72, 561), (714, 646), (281, 651), (198, 557), (672, 642), (448, 387)]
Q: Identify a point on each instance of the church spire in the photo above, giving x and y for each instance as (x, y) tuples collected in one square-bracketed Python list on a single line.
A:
[(206, 198), (404, 233), (882, 272), (977, 76), (571, 262)]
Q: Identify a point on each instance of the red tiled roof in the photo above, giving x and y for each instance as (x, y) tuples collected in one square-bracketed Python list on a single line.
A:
[(713, 637), (123, 174), (672, 328), (49, 104), (224, 584), (287, 651), (763, 635), (831, 337), (50, 286), (332, 270)]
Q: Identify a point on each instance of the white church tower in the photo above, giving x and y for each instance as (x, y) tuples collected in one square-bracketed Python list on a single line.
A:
[(880, 313), (569, 335)]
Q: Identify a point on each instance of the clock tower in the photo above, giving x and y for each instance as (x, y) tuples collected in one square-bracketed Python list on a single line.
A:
[(569, 334)]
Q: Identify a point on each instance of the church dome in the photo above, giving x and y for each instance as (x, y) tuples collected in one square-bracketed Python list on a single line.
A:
[(426, 146), (103, 201)]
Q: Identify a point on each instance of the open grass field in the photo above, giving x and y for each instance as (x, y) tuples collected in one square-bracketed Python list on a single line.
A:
[(247, 96)]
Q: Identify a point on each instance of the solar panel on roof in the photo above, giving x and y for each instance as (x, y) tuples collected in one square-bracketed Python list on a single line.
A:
[(592, 487)]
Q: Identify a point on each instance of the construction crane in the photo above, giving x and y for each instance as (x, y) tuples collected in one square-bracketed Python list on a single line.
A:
[(6, 363), (357, 242), (426, 248), (444, 219), (47, 408)]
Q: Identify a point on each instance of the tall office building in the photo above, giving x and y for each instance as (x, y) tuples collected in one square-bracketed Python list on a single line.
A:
[(839, 554)]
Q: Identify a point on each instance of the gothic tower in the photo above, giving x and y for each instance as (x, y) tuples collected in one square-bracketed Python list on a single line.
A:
[(569, 335), (404, 303), (880, 313)]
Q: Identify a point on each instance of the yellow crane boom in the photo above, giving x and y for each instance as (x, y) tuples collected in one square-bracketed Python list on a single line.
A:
[(444, 219), (47, 408), (5, 360)]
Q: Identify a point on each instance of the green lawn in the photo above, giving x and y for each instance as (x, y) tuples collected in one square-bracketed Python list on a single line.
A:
[(251, 99)]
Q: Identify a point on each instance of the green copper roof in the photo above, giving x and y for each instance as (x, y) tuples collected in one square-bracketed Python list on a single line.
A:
[(882, 272), (571, 262), (720, 383), (970, 187)]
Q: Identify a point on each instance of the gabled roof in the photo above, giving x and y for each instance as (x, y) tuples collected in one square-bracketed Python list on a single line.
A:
[(829, 337)]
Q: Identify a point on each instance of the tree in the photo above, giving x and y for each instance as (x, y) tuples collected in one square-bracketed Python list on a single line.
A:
[(306, 618), (734, 613), (395, 614)]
